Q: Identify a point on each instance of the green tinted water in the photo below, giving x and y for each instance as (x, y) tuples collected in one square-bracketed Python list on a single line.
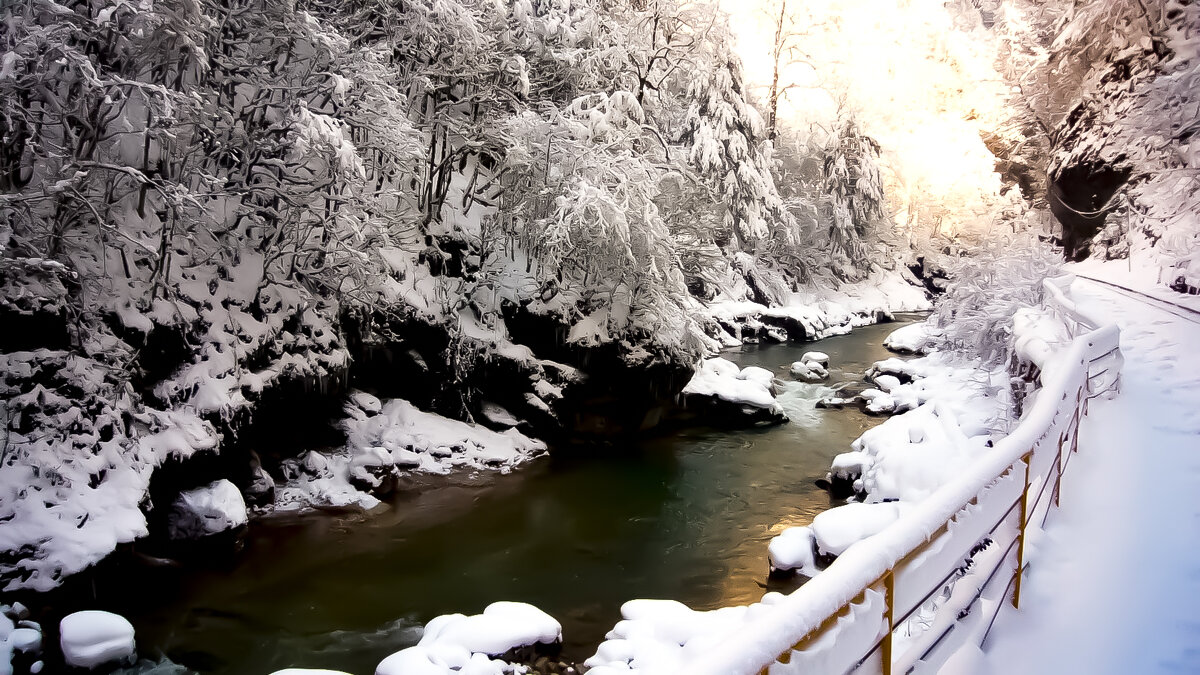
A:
[(685, 517)]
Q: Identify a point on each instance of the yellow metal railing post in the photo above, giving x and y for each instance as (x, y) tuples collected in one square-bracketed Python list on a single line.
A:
[(1016, 600), (889, 596), (1058, 467)]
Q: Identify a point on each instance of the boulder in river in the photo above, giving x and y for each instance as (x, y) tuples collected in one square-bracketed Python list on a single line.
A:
[(92, 638), (215, 508), (722, 394)]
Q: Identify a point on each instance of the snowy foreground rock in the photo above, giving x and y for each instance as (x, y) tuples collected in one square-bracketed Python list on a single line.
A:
[(732, 395), (914, 338), (212, 509), (20, 641), (93, 638), (794, 549), (386, 439), (812, 367), (455, 643)]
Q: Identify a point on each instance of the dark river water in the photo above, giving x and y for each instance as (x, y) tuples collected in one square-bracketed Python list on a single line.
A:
[(685, 517)]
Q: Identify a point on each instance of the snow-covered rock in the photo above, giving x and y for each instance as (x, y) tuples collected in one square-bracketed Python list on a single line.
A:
[(841, 527), (93, 638), (809, 371), (396, 439), (815, 357), (455, 644), (914, 338), (212, 509), (793, 549), (735, 395), (657, 636), (915, 453), (25, 639), (887, 383)]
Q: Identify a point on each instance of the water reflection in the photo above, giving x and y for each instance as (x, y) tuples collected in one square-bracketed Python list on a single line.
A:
[(685, 517)]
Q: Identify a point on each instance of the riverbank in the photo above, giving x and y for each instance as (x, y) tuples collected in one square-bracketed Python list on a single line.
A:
[(576, 533)]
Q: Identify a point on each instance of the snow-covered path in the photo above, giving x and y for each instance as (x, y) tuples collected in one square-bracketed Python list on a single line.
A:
[(1114, 582)]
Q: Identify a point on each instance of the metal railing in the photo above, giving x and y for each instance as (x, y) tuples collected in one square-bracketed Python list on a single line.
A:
[(891, 601)]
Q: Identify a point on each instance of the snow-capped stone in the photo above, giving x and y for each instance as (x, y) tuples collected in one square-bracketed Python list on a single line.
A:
[(93, 638), (454, 643), (212, 509), (366, 402), (878, 402), (815, 357), (850, 465), (911, 339), (809, 371), (738, 395), (887, 383), (793, 549), (839, 528), (25, 639)]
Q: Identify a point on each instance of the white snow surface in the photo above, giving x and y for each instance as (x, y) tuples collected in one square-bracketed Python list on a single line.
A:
[(92, 638), (809, 371), (915, 338), (815, 357), (397, 438), (657, 636), (721, 378), (831, 311), (211, 509), (793, 549), (1129, 494), (455, 644), (839, 528), (954, 409)]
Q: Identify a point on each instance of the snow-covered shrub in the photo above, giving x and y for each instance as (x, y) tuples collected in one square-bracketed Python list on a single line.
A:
[(986, 289)]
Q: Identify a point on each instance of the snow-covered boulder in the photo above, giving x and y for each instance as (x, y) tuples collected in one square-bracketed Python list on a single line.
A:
[(25, 640), (93, 638), (794, 549), (887, 383), (726, 394), (914, 338), (841, 527), (815, 357), (877, 402), (390, 440), (455, 643), (809, 371), (212, 509), (658, 636), (919, 451)]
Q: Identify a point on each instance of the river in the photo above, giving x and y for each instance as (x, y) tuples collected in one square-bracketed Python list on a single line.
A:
[(686, 516)]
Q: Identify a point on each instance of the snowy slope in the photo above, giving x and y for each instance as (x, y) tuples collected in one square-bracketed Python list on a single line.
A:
[(1113, 577)]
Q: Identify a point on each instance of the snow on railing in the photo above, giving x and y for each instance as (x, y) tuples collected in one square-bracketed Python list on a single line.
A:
[(893, 601)]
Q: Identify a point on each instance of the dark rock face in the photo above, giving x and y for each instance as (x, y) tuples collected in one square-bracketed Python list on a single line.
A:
[(1079, 200), (933, 278), (613, 396), (714, 412)]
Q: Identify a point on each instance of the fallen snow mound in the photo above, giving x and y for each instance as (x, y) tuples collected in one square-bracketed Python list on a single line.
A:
[(793, 549), (455, 643), (916, 338), (722, 379), (841, 527), (92, 638), (207, 510), (396, 438)]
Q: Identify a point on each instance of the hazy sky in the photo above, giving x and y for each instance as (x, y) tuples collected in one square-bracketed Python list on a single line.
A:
[(922, 87)]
